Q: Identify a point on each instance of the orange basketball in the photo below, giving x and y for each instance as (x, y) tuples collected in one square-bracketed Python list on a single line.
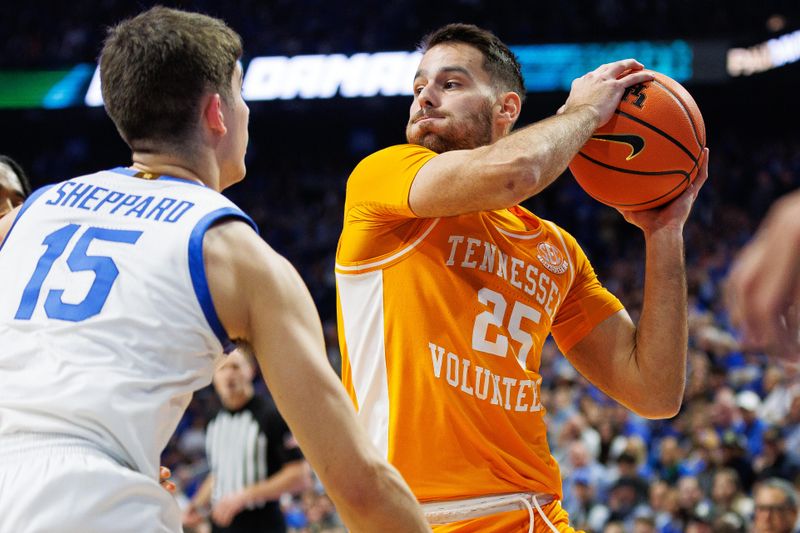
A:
[(649, 152)]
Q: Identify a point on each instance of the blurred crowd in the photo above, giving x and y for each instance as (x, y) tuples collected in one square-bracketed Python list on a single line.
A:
[(54, 34)]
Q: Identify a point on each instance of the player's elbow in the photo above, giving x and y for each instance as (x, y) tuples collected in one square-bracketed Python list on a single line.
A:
[(658, 406), (358, 488), (370, 487), (522, 180), (513, 177)]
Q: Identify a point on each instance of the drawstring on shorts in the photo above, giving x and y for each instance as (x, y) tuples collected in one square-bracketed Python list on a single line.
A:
[(438, 513)]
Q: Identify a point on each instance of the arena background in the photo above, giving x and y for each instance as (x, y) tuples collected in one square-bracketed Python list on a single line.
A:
[(301, 152)]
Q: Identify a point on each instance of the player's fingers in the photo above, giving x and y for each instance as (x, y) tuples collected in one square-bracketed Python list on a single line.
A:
[(790, 348), (615, 68), (702, 175), (164, 472), (561, 109), (770, 293), (740, 287), (635, 78)]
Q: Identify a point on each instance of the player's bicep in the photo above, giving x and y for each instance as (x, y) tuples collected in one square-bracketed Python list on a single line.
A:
[(465, 181), (445, 187), (259, 297)]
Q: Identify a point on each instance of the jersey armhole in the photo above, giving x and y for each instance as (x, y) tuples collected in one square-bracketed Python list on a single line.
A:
[(197, 269), (29, 202)]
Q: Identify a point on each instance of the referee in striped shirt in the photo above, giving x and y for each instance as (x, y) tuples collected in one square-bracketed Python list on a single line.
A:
[(252, 456)]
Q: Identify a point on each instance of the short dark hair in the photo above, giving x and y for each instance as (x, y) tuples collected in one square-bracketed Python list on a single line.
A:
[(500, 62), (17, 169), (156, 66)]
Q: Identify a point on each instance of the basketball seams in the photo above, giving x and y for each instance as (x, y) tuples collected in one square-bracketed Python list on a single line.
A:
[(685, 109), (661, 132), (641, 205), (638, 172)]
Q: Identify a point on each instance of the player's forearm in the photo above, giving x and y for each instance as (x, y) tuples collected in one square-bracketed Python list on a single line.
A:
[(541, 152), (662, 332), (293, 478), (369, 494), (382, 501)]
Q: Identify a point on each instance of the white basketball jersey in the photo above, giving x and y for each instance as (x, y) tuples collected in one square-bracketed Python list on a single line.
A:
[(106, 320)]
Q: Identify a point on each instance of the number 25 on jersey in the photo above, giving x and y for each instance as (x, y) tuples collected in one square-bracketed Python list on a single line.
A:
[(496, 317)]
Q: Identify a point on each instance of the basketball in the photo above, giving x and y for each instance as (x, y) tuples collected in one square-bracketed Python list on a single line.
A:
[(649, 152)]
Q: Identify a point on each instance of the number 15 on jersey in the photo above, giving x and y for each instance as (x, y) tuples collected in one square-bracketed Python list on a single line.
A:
[(103, 267)]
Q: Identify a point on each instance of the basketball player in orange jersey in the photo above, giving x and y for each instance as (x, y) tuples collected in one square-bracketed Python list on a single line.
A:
[(763, 290), (447, 289)]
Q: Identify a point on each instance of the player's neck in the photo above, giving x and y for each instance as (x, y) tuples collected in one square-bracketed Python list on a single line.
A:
[(169, 165)]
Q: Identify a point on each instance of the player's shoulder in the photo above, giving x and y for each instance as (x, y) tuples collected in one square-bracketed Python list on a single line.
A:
[(561, 238), (399, 155)]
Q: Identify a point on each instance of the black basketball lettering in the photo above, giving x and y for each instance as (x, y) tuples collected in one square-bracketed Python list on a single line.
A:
[(639, 92)]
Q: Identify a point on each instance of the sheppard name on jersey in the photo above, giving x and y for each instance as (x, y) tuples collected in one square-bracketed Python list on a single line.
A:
[(485, 256), (95, 198), (512, 394)]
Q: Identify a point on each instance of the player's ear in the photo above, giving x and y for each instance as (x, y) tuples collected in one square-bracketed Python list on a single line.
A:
[(508, 107), (213, 115)]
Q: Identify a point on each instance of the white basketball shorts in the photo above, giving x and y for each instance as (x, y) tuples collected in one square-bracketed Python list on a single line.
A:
[(61, 484)]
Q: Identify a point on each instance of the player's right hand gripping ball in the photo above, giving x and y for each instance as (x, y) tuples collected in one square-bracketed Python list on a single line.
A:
[(650, 150)]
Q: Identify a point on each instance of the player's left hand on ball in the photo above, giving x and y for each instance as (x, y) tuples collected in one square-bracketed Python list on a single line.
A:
[(675, 212)]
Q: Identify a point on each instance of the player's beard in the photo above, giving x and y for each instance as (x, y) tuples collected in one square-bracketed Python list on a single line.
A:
[(471, 131)]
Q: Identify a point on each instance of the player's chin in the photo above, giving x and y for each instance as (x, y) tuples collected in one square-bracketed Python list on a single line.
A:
[(428, 139)]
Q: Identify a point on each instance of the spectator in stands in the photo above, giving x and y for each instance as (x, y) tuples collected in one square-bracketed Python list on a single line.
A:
[(727, 495), (732, 454), (774, 461), (776, 384), (644, 524), (670, 454), (753, 428), (691, 498), (776, 507), (792, 424)]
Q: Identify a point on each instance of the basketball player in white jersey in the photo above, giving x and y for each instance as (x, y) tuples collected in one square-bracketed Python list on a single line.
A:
[(122, 288)]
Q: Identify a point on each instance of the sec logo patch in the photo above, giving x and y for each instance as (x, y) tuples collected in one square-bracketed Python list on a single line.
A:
[(552, 258)]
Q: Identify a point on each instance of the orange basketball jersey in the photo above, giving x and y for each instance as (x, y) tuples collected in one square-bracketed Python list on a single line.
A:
[(441, 327)]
